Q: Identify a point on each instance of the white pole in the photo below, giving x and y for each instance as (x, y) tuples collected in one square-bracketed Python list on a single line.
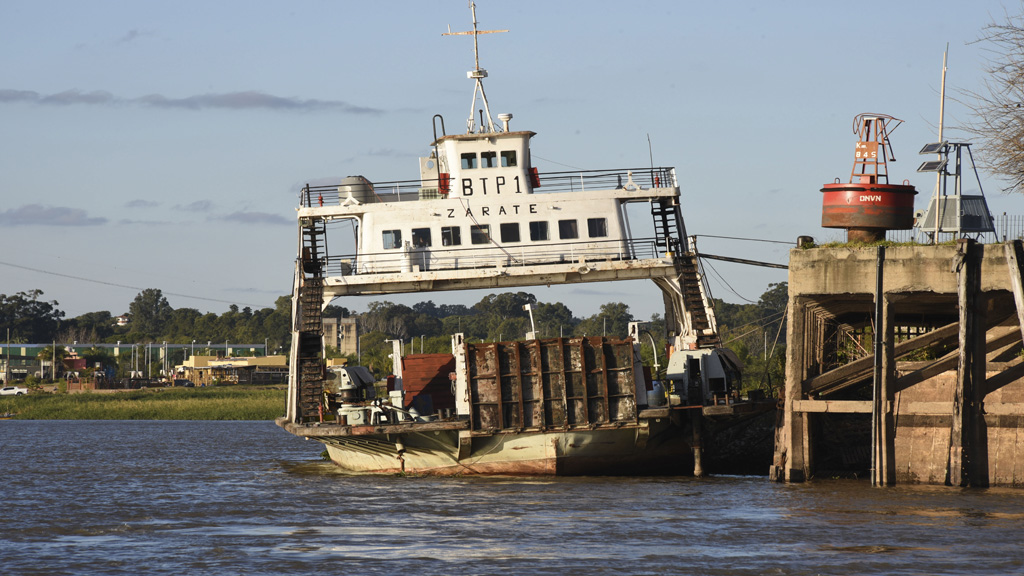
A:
[(938, 176)]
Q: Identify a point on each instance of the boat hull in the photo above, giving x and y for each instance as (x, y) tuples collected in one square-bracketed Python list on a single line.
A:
[(655, 446)]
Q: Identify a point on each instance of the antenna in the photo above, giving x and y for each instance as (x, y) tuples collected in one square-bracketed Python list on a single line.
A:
[(942, 111), (477, 73), (955, 213)]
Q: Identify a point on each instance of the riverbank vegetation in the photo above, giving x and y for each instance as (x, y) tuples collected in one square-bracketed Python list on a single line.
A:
[(755, 331), (212, 403)]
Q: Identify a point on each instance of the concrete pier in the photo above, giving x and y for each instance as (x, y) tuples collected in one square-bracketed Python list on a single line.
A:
[(905, 361)]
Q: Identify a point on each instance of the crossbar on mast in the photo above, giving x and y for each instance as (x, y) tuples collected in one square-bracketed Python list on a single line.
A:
[(477, 73)]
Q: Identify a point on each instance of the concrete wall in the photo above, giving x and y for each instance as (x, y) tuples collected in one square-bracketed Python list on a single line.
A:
[(923, 421), (957, 418)]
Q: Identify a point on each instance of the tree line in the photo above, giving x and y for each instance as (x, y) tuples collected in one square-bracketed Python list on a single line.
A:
[(752, 330)]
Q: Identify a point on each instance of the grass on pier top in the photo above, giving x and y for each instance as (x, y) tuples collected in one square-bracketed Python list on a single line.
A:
[(211, 403), (886, 243)]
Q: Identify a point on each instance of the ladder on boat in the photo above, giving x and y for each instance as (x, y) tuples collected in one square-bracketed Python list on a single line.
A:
[(669, 233), (670, 236), (311, 326), (696, 301)]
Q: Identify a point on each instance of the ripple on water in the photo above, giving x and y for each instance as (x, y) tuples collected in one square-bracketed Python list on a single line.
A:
[(247, 498)]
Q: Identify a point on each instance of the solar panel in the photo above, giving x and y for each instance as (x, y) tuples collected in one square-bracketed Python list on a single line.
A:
[(933, 148), (932, 166)]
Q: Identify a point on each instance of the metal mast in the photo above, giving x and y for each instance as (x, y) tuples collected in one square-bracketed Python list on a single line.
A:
[(478, 74), (938, 177)]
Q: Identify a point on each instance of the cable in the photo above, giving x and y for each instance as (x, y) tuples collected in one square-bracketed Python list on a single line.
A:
[(760, 323), (756, 328), (723, 281), (534, 155), (127, 286), (747, 239)]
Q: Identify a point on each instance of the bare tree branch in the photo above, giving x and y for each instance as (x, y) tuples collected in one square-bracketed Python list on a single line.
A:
[(998, 105)]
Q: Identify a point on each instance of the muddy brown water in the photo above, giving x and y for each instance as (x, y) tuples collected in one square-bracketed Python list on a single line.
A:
[(115, 497)]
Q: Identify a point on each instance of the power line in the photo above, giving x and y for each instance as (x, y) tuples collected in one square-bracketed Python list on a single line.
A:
[(762, 322), (116, 285), (727, 285), (532, 155), (747, 239)]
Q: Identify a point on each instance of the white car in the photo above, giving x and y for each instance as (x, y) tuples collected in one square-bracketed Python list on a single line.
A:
[(13, 391)]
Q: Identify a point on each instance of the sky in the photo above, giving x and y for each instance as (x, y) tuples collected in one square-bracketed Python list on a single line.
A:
[(163, 144)]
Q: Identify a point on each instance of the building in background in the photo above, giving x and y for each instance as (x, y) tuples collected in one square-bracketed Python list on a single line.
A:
[(341, 334)]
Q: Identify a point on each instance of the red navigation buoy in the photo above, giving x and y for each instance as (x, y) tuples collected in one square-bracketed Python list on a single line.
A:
[(868, 205)]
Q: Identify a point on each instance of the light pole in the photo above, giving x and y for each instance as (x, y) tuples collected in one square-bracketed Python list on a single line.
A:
[(533, 328), (135, 361)]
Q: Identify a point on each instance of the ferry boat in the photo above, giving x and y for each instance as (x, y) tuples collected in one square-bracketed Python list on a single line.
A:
[(482, 216)]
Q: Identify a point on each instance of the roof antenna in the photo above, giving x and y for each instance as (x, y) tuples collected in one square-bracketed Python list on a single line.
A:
[(477, 74)]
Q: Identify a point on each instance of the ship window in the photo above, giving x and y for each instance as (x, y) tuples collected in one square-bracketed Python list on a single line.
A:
[(538, 231), (451, 236), (508, 158), (469, 160), (421, 237), (510, 232), (567, 229), (392, 239), (480, 234), (488, 159), (597, 227)]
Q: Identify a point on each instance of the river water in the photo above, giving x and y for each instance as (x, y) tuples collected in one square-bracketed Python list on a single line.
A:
[(110, 497)]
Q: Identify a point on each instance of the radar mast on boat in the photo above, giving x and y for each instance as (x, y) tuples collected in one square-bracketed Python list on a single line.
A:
[(478, 74)]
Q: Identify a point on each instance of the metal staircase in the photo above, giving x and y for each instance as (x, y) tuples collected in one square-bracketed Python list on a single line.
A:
[(670, 235), (311, 326), (696, 301), (668, 225)]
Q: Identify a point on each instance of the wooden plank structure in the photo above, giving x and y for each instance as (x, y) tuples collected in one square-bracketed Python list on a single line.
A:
[(905, 362)]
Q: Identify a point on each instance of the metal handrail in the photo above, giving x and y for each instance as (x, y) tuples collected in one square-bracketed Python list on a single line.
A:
[(573, 181), (508, 255)]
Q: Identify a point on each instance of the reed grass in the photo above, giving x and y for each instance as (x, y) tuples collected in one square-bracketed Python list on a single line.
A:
[(212, 403)]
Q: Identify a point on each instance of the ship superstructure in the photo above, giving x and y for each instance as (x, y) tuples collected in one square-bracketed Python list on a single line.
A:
[(481, 216)]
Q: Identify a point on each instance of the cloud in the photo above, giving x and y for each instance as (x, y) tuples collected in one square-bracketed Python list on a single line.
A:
[(386, 152), (39, 215), (256, 218), (9, 96), (70, 97), (248, 100), (197, 206), (126, 222), (141, 204), (133, 35)]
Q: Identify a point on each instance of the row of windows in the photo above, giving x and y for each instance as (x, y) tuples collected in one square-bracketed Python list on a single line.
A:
[(508, 233), (488, 160)]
